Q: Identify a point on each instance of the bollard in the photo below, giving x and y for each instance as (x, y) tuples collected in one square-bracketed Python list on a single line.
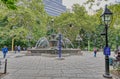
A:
[(0, 64), (5, 69)]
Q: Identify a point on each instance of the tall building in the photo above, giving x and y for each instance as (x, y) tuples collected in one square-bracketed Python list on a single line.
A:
[(54, 7)]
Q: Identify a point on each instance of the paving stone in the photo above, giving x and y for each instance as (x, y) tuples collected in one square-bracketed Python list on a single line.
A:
[(69, 75), (39, 67), (74, 71), (26, 78), (9, 77), (43, 78), (62, 78), (77, 78)]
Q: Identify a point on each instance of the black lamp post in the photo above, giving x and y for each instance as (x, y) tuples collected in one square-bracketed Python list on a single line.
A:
[(106, 19)]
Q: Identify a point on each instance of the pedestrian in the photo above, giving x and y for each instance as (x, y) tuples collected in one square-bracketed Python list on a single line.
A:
[(95, 52), (4, 50), (24, 48), (118, 56), (16, 48), (19, 48)]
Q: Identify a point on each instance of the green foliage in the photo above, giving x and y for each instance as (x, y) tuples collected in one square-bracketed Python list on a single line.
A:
[(77, 22), (10, 4), (29, 18), (30, 21), (4, 21), (91, 3), (90, 24)]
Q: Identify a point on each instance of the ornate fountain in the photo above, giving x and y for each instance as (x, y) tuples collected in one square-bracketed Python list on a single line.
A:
[(50, 45)]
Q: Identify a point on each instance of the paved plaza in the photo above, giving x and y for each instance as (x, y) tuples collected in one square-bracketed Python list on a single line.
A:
[(41, 67)]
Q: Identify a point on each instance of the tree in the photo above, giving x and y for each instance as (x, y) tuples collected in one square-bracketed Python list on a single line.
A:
[(76, 22), (29, 17), (92, 3), (10, 3)]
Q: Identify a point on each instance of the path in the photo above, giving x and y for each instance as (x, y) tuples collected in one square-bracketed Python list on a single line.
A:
[(73, 67)]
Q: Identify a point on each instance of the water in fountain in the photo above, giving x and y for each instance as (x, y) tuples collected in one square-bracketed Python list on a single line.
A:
[(42, 43), (52, 42), (68, 42)]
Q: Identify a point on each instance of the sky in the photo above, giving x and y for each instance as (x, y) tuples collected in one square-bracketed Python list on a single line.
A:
[(69, 3)]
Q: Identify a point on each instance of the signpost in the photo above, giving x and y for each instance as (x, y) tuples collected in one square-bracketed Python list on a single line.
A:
[(107, 51), (59, 50)]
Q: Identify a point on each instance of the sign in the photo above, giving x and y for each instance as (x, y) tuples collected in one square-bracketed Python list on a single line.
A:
[(107, 51), (60, 43)]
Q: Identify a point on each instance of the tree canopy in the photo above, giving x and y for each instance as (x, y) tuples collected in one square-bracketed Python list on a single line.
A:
[(27, 20)]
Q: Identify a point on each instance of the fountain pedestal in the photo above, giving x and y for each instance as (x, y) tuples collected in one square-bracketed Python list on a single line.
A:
[(53, 42)]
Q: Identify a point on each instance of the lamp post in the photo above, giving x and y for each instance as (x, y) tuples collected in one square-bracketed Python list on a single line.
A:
[(106, 19)]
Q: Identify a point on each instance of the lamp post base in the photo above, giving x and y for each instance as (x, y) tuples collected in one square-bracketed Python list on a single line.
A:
[(107, 76)]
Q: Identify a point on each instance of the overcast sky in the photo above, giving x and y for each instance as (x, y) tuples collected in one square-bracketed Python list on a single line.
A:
[(69, 3)]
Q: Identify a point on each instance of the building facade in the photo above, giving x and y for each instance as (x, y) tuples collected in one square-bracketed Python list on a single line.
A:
[(54, 7)]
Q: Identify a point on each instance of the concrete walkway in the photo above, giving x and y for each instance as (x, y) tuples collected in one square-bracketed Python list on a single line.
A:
[(39, 67)]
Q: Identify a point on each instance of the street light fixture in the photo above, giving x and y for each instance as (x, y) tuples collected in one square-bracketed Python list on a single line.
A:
[(106, 19)]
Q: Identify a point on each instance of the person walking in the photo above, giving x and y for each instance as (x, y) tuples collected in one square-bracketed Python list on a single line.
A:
[(4, 50), (95, 52), (19, 48), (118, 56), (16, 48)]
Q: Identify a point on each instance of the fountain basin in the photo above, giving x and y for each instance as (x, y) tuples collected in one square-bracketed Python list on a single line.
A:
[(38, 52)]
